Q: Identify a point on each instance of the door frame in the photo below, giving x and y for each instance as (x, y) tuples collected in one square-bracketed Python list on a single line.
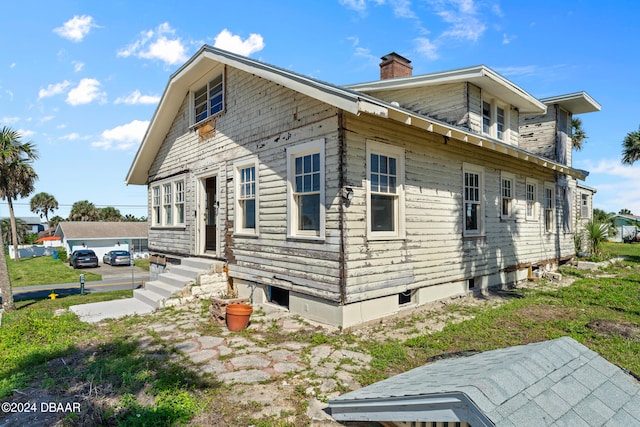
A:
[(201, 191)]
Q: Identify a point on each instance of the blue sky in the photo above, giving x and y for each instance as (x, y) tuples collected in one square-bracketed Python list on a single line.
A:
[(81, 79)]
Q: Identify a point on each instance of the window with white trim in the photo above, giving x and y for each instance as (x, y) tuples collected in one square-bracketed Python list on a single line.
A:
[(179, 202), (385, 198), (209, 99), (168, 203), (495, 119), (473, 184), (549, 208), (247, 197), (507, 195), (584, 205), (155, 205), (532, 200), (306, 182)]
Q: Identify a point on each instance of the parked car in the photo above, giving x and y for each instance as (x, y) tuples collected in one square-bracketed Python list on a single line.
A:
[(117, 258), (83, 258)]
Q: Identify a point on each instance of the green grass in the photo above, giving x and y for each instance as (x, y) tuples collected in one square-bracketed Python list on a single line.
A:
[(142, 263), (45, 271)]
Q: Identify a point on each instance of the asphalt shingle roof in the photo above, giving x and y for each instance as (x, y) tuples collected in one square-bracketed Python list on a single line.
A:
[(102, 230), (551, 383)]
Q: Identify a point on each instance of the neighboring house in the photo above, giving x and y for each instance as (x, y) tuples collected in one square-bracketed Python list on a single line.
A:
[(34, 222), (627, 228), (551, 383), (103, 237), (49, 242), (347, 204)]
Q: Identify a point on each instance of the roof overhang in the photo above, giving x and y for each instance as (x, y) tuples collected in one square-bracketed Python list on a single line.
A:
[(575, 103), (481, 76)]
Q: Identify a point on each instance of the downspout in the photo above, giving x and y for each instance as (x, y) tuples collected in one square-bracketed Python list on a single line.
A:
[(341, 209)]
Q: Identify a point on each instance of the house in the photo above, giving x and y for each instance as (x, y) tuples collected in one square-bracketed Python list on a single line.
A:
[(103, 237), (347, 204), (551, 383), (627, 228), (33, 222)]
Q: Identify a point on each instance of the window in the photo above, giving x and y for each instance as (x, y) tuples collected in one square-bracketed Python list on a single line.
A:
[(180, 202), (507, 189), (209, 99), (549, 205), (167, 204), (531, 200), (305, 165), (246, 198), (155, 203), (473, 193), (385, 172), (584, 205), (494, 120)]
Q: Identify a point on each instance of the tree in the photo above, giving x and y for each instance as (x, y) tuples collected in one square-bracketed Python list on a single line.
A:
[(110, 214), (578, 134), (43, 204), (133, 218), (53, 222), (22, 229), (631, 148), (17, 177), (84, 210), (5, 282), (625, 212)]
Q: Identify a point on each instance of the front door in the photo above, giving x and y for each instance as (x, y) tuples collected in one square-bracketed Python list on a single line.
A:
[(210, 215)]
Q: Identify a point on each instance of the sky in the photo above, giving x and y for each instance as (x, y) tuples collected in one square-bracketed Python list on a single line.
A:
[(82, 79)]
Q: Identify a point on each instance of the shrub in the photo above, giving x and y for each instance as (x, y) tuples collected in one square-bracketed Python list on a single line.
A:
[(62, 254)]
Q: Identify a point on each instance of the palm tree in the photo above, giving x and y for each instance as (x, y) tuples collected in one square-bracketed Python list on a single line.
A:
[(5, 283), (44, 204), (631, 147), (22, 228), (110, 214), (577, 133), (17, 177), (84, 210), (53, 222)]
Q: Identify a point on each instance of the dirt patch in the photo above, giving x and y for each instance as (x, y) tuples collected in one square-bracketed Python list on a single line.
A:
[(610, 327)]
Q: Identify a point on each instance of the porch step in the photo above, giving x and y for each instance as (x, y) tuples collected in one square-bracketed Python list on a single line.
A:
[(149, 297), (165, 288)]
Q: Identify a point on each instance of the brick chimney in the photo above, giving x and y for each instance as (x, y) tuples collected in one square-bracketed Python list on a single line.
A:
[(394, 65)]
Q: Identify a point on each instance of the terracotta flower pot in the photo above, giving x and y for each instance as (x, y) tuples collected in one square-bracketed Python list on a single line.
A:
[(238, 316)]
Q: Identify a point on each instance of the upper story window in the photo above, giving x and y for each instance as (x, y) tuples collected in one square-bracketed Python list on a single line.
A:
[(385, 205), (507, 191), (168, 203), (473, 184), (495, 120), (306, 182), (209, 99), (247, 197), (584, 205)]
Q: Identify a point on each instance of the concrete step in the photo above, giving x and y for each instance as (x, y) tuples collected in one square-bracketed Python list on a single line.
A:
[(186, 271), (174, 279), (202, 264), (163, 288), (149, 297)]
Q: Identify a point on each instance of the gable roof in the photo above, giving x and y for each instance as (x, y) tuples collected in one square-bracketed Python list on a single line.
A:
[(208, 57), (480, 75), (557, 382), (93, 230)]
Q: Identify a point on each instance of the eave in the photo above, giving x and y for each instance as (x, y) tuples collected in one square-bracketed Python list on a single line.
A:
[(575, 103)]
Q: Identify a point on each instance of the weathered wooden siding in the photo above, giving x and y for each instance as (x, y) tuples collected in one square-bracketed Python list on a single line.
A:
[(538, 133), (278, 118), (434, 250)]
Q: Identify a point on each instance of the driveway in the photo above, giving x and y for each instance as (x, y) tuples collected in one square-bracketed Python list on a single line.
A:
[(115, 271)]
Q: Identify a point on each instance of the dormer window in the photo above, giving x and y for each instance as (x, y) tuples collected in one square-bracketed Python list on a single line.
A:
[(494, 120), (208, 101)]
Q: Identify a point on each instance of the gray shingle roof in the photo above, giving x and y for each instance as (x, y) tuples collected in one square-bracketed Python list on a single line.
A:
[(102, 230), (557, 382)]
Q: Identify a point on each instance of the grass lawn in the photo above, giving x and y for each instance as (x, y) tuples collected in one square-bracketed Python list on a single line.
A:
[(44, 271), (49, 353)]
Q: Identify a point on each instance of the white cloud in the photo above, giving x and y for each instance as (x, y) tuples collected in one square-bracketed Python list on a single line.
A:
[(525, 70), (26, 134), (76, 28), (9, 120), (227, 41), (427, 48), (613, 167), (157, 44), (70, 137), (78, 66), (357, 5), (12, 65), (87, 91), (122, 137), (135, 98), (506, 39), (53, 89)]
